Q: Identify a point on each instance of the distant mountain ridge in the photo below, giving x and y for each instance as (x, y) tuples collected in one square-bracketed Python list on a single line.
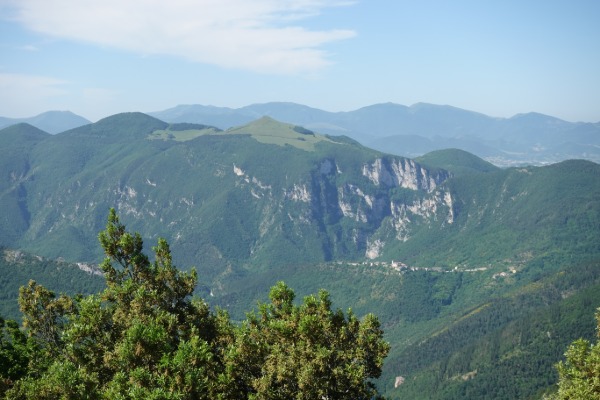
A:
[(409, 131), (530, 138), (51, 121)]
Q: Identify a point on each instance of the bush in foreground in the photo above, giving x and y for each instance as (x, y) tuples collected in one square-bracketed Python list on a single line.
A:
[(146, 337)]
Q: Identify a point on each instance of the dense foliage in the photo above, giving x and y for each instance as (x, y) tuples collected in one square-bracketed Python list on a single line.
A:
[(146, 337), (504, 348), (13, 354), (18, 267), (580, 372)]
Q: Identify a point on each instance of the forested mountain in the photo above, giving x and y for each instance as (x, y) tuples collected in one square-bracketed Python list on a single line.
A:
[(241, 196), (530, 138), (465, 264), (60, 276)]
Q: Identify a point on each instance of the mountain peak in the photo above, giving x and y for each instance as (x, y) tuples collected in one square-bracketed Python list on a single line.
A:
[(129, 124), (267, 119), (534, 117), (269, 130), (22, 130), (263, 125), (49, 121), (456, 161), (126, 117)]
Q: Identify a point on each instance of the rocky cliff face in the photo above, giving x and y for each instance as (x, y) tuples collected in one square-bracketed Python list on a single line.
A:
[(402, 172), (393, 196)]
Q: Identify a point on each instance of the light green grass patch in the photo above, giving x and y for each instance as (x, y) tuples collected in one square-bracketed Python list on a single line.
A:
[(264, 130), (269, 131), (181, 136)]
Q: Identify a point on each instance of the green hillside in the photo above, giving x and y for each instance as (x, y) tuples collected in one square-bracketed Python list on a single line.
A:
[(183, 132), (83, 172), (18, 268), (16, 144), (507, 347), (458, 162), (544, 213), (267, 130), (446, 246)]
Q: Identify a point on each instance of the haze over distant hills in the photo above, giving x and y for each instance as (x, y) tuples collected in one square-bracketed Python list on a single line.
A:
[(524, 139), (50, 121), (413, 131)]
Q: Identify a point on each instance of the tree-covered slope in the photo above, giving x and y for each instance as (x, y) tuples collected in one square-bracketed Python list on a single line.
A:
[(264, 191), (18, 268), (547, 213), (456, 161), (16, 145), (506, 347)]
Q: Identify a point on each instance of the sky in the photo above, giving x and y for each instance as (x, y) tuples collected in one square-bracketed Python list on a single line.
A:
[(500, 58)]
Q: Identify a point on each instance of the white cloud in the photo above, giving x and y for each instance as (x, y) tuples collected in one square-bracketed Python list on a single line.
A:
[(258, 35), (21, 91)]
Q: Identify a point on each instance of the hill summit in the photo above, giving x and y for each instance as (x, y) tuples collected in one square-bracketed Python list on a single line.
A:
[(51, 121), (270, 131)]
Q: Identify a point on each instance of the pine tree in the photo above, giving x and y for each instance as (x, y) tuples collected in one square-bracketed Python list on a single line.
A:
[(579, 374), (307, 351)]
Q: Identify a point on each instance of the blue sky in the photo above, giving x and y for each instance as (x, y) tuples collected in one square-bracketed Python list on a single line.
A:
[(500, 58)]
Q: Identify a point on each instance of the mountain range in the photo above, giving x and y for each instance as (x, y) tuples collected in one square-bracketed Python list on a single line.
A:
[(412, 131), (475, 271), (524, 139)]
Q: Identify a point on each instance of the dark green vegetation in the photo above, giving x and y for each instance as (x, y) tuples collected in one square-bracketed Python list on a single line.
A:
[(580, 374), (506, 347), (145, 337), (17, 268), (496, 259), (458, 162), (228, 196)]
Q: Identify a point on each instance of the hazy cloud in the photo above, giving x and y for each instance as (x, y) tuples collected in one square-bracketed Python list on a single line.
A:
[(258, 35), (29, 47), (21, 91)]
